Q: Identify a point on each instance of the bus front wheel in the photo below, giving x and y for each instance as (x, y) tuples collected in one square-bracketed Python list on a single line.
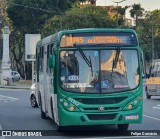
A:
[(123, 126)]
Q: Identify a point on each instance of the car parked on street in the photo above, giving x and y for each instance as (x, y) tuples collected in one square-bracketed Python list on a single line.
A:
[(15, 76), (33, 96)]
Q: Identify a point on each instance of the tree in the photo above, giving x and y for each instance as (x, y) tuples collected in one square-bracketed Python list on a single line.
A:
[(149, 34), (88, 16), (29, 17), (136, 11), (121, 14)]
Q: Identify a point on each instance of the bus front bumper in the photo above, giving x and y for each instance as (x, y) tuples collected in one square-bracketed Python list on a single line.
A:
[(67, 118)]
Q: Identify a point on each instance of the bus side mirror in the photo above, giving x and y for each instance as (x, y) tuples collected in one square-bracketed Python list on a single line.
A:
[(51, 61)]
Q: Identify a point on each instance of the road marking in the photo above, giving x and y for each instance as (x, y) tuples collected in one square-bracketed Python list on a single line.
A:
[(1, 130), (151, 117), (7, 99), (157, 107)]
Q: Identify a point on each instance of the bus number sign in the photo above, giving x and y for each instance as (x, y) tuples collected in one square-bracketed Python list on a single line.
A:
[(70, 41)]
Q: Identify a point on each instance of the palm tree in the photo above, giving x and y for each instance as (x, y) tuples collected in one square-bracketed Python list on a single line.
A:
[(136, 11), (121, 11)]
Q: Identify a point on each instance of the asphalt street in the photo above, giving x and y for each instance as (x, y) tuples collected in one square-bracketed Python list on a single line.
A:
[(16, 113)]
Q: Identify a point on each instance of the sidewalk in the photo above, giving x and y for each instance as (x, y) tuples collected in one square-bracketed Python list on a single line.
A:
[(18, 85)]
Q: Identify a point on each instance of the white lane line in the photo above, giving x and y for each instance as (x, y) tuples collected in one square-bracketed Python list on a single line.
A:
[(151, 117), (1, 130), (156, 107), (7, 98)]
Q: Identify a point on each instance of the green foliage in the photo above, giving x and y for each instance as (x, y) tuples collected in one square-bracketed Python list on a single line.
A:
[(121, 14), (84, 17), (29, 17), (136, 11), (148, 31), (46, 17)]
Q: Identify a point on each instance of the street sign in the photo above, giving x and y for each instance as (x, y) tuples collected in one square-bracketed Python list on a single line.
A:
[(30, 46)]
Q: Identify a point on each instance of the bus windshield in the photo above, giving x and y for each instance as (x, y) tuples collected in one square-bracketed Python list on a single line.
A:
[(99, 71)]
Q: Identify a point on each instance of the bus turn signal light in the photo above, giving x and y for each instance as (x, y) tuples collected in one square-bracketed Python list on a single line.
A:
[(71, 108), (129, 106)]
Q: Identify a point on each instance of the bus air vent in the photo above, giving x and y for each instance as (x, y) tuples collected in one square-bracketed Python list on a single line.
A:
[(108, 108)]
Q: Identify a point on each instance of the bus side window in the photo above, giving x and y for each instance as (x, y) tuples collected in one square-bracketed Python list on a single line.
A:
[(51, 70), (41, 59), (47, 69)]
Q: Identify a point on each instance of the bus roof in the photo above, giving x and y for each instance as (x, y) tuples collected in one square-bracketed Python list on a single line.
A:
[(96, 30)]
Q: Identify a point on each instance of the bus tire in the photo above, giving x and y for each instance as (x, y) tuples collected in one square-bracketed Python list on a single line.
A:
[(59, 128), (33, 101), (43, 114), (123, 126)]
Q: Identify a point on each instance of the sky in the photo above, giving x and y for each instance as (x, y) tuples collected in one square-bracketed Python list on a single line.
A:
[(148, 5)]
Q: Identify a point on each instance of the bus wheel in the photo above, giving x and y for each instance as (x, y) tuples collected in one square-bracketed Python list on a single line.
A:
[(59, 128), (33, 101), (123, 126)]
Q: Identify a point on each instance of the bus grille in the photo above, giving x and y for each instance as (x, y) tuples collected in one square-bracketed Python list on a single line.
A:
[(96, 109), (101, 116), (100, 100)]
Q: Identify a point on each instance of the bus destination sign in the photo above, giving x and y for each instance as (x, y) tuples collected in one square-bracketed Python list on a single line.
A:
[(70, 41)]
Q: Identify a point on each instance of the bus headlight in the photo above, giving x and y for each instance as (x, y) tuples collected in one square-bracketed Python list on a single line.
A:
[(130, 106), (133, 104), (71, 108), (68, 105)]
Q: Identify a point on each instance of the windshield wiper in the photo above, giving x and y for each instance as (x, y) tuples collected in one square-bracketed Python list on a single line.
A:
[(88, 61), (115, 60)]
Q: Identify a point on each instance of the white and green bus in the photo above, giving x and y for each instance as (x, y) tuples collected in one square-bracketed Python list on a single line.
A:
[(90, 77)]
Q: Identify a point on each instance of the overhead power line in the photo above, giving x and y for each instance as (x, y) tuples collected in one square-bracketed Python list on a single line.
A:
[(44, 10)]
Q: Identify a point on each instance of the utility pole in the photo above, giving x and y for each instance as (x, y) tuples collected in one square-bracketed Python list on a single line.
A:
[(117, 9), (152, 40)]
